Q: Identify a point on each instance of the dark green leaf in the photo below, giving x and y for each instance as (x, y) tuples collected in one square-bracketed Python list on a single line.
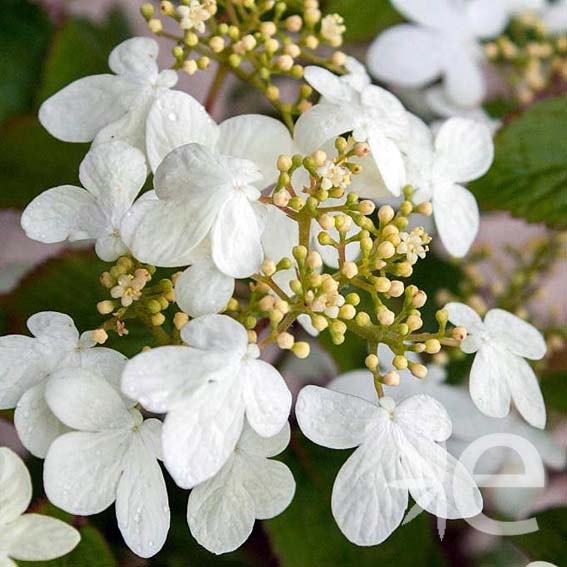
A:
[(554, 389), (548, 543), (364, 19), (529, 174), (306, 535), (24, 39)]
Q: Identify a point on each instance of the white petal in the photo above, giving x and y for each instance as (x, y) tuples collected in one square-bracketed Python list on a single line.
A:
[(21, 367), (202, 289), (136, 56), (425, 417), (366, 503), (526, 392), (334, 420), (464, 79), (104, 362), (142, 506), (82, 470), (114, 173), (236, 238), (55, 328), (163, 377), (7, 562), (269, 483), (405, 55), (110, 248), (174, 120), (257, 138), (457, 218), (216, 333), (464, 150), (519, 336), (488, 385), (487, 18), (167, 233), (359, 383), (53, 215), (220, 512), (79, 111), (321, 123), (35, 423), (34, 537), (330, 86), (266, 396), (15, 486), (389, 160), (199, 437), (440, 14), (252, 443), (85, 401), (462, 315), (436, 480)]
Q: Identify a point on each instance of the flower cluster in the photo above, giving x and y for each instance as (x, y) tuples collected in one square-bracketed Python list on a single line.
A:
[(268, 225)]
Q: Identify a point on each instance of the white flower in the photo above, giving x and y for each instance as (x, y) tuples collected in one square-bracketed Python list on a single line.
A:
[(414, 244), (111, 457), (27, 537), (499, 372), (461, 151), (540, 564), (469, 425), (206, 389), (26, 366), (333, 28), (250, 486), (111, 107), (398, 452), (373, 114), (113, 174), (443, 42), (193, 16)]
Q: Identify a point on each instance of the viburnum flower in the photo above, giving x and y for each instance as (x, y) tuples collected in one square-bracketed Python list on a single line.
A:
[(113, 174), (27, 365), (397, 452), (461, 151), (443, 41), (193, 16), (111, 457), (206, 389), (373, 114), (27, 537), (250, 486), (499, 372), (111, 107)]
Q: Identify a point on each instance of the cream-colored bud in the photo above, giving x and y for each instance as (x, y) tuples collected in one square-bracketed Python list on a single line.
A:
[(349, 270), (347, 312), (99, 336), (284, 62), (252, 336), (363, 319), (386, 214), (281, 199), (400, 362), (294, 23), (432, 346), (268, 268), (190, 66), (105, 307), (271, 45), (419, 299), (155, 25), (418, 370), (281, 305), (268, 28), (386, 317), (391, 378), (158, 319), (301, 349), (285, 341), (459, 333), (371, 362), (180, 319), (311, 42), (319, 322), (248, 42), (339, 58), (299, 253), (273, 93), (382, 285), (319, 157), (366, 207), (327, 222), (425, 209), (396, 288), (292, 50), (414, 322), (386, 250), (217, 44), (314, 260), (266, 303)]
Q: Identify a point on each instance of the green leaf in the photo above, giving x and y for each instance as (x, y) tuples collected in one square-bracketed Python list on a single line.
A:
[(81, 48), (554, 389), (548, 543), (24, 40), (529, 174), (306, 534), (31, 161), (364, 19)]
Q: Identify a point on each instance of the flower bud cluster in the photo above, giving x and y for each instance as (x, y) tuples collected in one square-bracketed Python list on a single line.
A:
[(259, 40), (533, 59)]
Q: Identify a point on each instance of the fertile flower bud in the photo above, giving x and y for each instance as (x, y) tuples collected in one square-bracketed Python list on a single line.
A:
[(400, 362), (314, 260), (327, 222), (418, 370), (155, 25), (349, 270), (459, 333), (281, 198), (391, 378), (366, 207), (285, 341), (105, 307), (386, 214), (99, 336), (180, 319), (338, 58), (301, 349), (158, 319), (414, 322), (266, 303), (382, 285), (425, 209), (396, 288), (386, 250), (419, 299), (216, 43), (268, 268), (190, 66), (284, 62), (347, 312), (432, 346), (294, 23), (299, 253), (363, 319), (386, 317), (371, 362)]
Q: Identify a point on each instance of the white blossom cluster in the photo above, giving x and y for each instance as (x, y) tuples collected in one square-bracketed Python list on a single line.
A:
[(83, 408)]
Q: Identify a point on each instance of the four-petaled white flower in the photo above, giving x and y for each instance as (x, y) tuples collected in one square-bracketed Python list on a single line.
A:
[(250, 486), (443, 42), (26, 367), (193, 16), (398, 452), (206, 389), (111, 107), (27, 537), (351, 103), (461, 151), (499, 372), (110, 457), (113, 174)]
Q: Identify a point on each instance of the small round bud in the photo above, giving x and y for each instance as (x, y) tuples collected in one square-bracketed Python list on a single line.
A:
[(386, 317), (327, 222), (319, 322), (234, 60), (281, 199), (190, 66), (386, 214), (284, 163), (293, 51), (319, 157), (363, 319), (425, 209), (414, 322), (339, 58), (105, 307), (296, 203), (301, 349), (107, 280), (371, 362), (432, 346), (155, 25), (180, 319), (406, 208), (266, 303), (366, 207), (400, 362), (299, 253), (271, 45), (391, 378), (349, 270), (99, 336), (314, 260), (347, 312), (153, 306), (285, 341), (268, 268), (248, 42), (353, 299), (268, 28), (311, 42), (147, 10), (386, 250), (217, 44), (158, 319), (273, 93), (284, 62), (459, 333), (294, 24), (418, 370), (396, 288), (442, 316), (419, 299), (382, 285)]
